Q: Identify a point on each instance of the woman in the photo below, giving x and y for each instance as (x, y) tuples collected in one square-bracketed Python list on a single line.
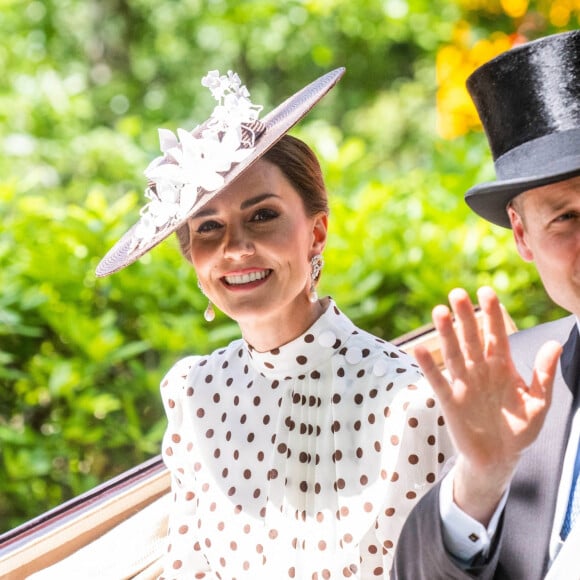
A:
[(297, 450)]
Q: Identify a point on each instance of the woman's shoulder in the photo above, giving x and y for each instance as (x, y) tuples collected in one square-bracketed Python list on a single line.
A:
[(179, 372), (382, 352), (370, 344), (183, 368)]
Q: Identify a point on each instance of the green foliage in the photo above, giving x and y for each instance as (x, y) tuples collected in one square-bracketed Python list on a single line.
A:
[(85, 85)]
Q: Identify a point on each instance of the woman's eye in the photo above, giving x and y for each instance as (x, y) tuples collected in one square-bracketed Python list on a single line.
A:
[(264, 215), (208, 226)]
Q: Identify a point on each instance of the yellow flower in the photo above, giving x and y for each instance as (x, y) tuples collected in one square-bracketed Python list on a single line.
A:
[(456, 114), (560, 12), (515, 8)]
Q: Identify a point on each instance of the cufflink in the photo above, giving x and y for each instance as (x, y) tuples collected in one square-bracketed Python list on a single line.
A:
[(473, 537)]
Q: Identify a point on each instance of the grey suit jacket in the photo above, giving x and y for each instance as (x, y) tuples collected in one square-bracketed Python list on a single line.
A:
[(520, 550)]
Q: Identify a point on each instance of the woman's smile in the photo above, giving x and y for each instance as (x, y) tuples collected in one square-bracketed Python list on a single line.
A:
[(246, 280)]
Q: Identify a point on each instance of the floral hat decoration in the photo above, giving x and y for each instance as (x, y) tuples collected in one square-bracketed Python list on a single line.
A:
[(197, 165)]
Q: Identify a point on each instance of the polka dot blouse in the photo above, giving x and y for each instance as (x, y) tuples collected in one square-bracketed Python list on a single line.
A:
[(301, 462)]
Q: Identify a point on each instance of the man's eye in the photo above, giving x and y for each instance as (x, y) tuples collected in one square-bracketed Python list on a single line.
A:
[(264, 215), (569, 215)]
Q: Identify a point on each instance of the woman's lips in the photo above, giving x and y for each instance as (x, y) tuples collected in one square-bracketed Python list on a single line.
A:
[(246, 278)]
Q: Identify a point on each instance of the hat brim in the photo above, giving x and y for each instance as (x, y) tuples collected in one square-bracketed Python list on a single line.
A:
[(277, 123), (490, 200)]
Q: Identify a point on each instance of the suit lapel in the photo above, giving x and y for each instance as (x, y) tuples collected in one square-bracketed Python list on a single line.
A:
[(530, 510), (570, 364)]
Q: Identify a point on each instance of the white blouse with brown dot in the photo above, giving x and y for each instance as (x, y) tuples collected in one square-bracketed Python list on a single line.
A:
[(300, 462)]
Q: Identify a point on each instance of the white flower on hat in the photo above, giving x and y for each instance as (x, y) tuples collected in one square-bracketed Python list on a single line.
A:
[(194, 162)]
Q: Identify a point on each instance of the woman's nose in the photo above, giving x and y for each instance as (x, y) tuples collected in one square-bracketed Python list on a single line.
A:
[(237, 243)]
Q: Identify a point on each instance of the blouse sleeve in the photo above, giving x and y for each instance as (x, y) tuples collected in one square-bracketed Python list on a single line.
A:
[(416, 445), (183, 557)]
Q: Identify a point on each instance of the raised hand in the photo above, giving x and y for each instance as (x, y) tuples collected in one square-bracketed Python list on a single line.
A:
[(491, 413)]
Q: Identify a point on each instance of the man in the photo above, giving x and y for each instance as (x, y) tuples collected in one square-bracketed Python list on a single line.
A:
[(502, 509)]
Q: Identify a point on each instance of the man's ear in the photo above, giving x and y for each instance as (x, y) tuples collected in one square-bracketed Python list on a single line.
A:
[(319, 233), (519, 232)]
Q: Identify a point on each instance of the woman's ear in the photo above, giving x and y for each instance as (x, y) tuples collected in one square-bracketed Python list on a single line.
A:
[(519, 232), (319, 233)]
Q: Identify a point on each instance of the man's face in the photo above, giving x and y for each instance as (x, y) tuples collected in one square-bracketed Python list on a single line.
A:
[(546, 227)]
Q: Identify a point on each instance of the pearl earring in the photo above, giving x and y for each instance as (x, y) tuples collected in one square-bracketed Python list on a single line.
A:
[(316, 264), (209, 312)]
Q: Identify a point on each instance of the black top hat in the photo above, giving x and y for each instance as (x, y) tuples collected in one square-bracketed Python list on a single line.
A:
[(528, 100)]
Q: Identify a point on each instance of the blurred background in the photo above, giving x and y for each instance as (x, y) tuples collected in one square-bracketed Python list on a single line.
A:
[(85, 84)]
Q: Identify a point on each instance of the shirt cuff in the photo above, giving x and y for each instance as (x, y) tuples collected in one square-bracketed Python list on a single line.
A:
[(463, 536)]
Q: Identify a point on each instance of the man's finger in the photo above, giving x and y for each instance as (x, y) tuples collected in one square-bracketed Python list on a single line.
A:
[(496, 337), (450, 348), (466, 323), (545, 367), (433, 374)]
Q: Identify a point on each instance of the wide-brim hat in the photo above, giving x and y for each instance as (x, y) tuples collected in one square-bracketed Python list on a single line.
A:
[(528, 100), (201, 163)]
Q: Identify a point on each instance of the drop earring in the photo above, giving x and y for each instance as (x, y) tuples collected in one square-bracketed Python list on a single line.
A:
[(316, 264), (209, 312)]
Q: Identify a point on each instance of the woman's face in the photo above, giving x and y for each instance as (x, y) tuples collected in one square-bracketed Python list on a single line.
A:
[(251, 248)]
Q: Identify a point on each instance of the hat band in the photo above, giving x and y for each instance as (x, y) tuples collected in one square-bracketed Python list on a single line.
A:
[(547, 155), (251, 131)]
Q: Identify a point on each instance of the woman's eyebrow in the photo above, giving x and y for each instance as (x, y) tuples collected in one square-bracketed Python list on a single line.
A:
[(255, 200), (204, 212)]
